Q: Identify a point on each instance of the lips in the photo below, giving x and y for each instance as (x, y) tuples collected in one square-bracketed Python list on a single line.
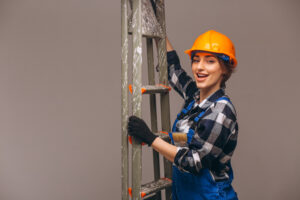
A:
[(201, 77)]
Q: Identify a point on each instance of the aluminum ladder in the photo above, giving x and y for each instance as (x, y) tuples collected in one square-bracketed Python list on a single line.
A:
[(147, 19)]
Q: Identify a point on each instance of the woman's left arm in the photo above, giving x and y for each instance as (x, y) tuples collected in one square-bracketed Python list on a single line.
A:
[(168, 150), (214, 138)]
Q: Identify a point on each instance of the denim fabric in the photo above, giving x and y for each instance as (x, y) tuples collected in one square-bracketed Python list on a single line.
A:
[(187, 186)]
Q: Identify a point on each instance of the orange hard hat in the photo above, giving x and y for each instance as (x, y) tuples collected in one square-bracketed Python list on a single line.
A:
[(215, 42)]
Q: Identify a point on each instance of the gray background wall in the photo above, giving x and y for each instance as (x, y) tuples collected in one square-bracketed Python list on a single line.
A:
[(60, 95)]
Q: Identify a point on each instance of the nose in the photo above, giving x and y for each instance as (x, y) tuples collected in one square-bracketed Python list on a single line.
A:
[(200, 65)]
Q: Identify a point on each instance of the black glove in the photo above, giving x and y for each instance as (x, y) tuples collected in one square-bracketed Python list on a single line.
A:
[(138, 128)]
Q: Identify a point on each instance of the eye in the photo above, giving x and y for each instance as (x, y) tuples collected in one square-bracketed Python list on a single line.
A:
[(211, 61), (195, 61)]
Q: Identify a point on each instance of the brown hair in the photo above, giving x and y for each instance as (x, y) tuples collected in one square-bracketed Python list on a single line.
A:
[(228, 68)]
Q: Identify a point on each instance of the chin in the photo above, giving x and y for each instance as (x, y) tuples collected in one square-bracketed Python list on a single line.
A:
[(201, 86)]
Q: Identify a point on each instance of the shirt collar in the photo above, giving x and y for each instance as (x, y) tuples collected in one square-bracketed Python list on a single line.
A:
[(210, 99)]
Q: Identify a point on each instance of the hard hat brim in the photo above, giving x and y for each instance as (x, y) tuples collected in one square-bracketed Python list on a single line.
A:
[(189, 52)]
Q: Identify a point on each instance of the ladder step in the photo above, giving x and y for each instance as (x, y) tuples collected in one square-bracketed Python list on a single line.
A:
[(148, 35), (153, 89), (163, 135), (154, 186)]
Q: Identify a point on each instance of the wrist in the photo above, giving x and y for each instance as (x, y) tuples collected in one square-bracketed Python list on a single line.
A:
[(152, 138)]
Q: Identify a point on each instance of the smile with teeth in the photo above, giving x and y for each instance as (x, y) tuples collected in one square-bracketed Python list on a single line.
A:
[(201, 76)]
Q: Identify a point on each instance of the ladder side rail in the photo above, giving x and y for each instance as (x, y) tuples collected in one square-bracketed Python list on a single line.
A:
[(137, 96), (124, 101), (163, 79), (153, 112)]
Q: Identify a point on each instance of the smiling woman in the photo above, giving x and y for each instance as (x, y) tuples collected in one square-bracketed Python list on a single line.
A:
[(210, 72), (207, 72), (202, 160)]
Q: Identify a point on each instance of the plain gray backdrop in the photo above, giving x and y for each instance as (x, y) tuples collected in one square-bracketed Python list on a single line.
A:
[(60, 69)]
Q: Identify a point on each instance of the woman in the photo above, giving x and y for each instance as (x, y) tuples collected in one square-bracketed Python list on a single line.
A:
[(204, 135)]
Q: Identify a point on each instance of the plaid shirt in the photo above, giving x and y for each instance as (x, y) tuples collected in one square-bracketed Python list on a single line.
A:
[(216, 132)]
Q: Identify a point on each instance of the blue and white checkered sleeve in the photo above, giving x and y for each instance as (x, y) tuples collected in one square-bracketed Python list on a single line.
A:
[(212, 134), (178, 78)]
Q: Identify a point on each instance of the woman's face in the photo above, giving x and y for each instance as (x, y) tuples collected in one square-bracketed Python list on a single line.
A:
[(207, 71)]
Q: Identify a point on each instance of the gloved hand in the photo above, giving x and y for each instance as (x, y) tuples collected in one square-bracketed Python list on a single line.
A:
[(138, 128)]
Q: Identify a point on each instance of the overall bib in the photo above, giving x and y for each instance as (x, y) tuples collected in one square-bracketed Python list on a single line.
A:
[(187, 186)]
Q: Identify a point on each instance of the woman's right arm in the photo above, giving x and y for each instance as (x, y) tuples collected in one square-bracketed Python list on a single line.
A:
[(178, 78)]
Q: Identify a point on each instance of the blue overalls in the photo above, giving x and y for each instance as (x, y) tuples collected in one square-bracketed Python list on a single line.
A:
[(187, 186)]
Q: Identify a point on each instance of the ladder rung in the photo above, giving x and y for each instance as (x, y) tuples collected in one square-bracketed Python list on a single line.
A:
[(148, 35), (154, 186), (153, 89), (163, 135)]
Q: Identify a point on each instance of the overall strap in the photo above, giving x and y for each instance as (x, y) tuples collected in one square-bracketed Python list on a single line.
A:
[(224, 98), (183, 111), (188, 108)]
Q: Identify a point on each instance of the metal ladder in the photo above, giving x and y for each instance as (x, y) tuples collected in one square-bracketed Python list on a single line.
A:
[(147, 20)]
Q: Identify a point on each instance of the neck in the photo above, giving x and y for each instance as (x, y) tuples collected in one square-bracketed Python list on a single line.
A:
[(204, 93)]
